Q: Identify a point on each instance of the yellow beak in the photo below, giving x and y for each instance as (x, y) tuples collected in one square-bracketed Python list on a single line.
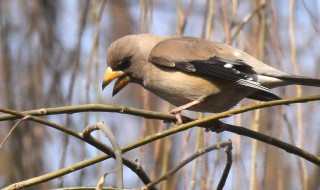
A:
[(110, 75)]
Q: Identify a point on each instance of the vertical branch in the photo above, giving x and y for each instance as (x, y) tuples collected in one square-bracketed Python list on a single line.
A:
[(238, 118), (97, 15), (97, 84), (200, 133), (185, 145), (65, 137), (210, 19), (179, 18), (234, 10), (222, 182), (237, 158), (196, 163), (257, 113), (182, 18), (262, 32), (145, 95), (273, 32), (255, 127), (207, 30), (75, 70), (199, 144), (298, 91), (117, 153), (186, 16), (143, 16), (165, 157), (225, 20)]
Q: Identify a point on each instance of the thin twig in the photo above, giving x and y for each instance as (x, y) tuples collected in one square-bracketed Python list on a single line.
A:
[(198, 144), (188, 160), (244, 22), (12, 129), (117, 153), (186, 16), (75, 70), (228, 150), (255, 127), (210, 19), (225, 20), (275, 142), (302, 167), (55, 174), (135, 167)]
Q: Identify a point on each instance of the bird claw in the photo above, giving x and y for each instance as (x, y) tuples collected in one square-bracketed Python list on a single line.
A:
[(177, 113), (217, 127), (179, 119)]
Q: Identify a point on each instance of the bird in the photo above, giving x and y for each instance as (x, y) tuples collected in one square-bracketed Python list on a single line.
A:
[(194, 73)]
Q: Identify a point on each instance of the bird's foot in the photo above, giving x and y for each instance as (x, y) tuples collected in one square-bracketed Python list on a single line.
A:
[(177, 113), (217, 126)]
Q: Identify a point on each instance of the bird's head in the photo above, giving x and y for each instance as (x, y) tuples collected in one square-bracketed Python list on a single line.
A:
[(126, 58), (119, 56)]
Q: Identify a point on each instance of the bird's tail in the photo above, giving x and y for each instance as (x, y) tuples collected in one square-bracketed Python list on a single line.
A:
[(300, 80)]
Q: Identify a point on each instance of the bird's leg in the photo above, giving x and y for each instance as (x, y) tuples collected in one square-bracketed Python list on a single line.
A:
[(177, 111)]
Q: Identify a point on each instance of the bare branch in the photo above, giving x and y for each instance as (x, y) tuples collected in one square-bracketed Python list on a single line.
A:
[(273, 141), (146, 113), (155, 115), (200, 152), (12, 129), (117, 153), (245, 21), (92, 141), (228, 150)]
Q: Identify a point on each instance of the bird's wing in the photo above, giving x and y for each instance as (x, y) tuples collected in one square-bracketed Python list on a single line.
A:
[(208, 58)]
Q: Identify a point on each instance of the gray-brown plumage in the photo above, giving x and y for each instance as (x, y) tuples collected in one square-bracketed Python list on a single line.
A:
[(194, 73)]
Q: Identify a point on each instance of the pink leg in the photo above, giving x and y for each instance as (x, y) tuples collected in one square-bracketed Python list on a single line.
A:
[(177, 111)]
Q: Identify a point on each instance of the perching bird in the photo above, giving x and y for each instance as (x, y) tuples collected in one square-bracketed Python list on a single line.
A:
[(193, 73)]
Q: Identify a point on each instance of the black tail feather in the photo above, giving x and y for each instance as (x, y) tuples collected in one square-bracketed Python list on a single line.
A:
[(300, 80), (264, 96)]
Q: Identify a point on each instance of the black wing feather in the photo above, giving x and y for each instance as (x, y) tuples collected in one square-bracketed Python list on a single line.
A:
[(263, 96), (236, 71), (228, 70)]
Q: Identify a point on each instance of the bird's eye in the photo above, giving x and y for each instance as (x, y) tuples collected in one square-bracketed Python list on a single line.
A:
[(125, 63)]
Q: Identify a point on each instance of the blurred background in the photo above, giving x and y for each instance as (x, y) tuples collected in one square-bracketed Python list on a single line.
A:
[(53, 54)]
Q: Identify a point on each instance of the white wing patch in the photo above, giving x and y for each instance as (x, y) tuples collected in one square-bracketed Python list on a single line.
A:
[(228, 65), (236, 53)]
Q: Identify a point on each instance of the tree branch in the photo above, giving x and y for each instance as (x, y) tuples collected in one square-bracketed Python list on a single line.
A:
[(117, 153), (11, 130), (146, 113), (273, 141), (205, 122), (92, 108), (87, 138), (228, 150), (225, 144)]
